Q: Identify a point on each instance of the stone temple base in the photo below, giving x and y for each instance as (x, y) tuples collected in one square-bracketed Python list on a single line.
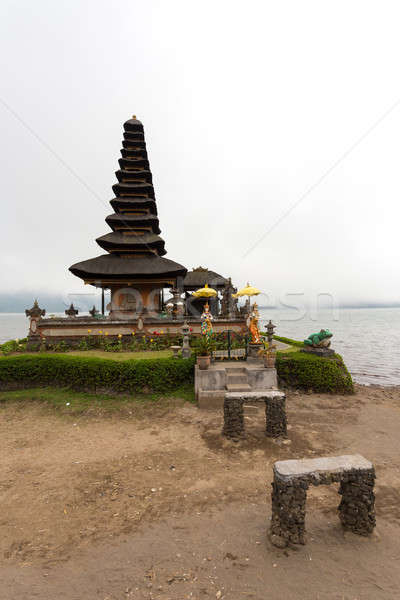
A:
[(74, 329), (211, 385), (323, 352), (292, 478)]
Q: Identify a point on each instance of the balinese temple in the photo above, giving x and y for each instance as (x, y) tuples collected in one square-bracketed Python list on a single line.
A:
[(148, 291), (133, 268)]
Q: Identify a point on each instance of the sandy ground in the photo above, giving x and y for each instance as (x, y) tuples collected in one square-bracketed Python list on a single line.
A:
[(157, 505)]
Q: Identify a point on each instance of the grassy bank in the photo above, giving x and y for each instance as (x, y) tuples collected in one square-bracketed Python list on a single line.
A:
[(95, 370), (73, 403), (311, 373)]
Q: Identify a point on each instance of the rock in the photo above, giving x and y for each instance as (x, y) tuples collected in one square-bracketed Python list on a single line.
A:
[(278, 541)]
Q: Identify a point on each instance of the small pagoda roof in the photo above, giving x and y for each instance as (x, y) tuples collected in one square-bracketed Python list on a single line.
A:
[(133, 125), (197, 278), (118, 242), (112, 267)]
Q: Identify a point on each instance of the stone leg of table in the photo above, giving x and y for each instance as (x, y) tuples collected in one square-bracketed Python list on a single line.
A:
[(233, 418), (275, 416), (357, 507), (288, 512)]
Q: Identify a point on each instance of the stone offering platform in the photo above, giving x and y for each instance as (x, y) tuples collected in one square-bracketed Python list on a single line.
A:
[(212, 384), (292, 478), (275, 412)]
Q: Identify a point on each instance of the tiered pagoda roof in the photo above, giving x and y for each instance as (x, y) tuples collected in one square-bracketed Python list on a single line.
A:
[(134, 247)]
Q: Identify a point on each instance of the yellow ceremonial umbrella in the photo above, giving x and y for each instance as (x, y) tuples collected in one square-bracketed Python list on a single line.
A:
[(205, 292), (249, 290)]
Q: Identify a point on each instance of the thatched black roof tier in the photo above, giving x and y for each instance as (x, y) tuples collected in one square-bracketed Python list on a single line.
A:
[(128, 221), (133, 144), (133, 188), (197, 278), (136, 164), (148, 205), (134, 153), (134, 246), (124, 176), (119, 242), (134, 135), (148, 221), (110, 267)]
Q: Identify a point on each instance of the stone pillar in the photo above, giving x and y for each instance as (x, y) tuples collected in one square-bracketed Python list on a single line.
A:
[(357, 507), (186, 351), (233, 418), (275, 416), (270, 332), (288, 512), (178, 306), (35, 314)]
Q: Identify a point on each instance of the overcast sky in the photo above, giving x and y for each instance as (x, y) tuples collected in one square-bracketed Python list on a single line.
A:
[(273, 133)]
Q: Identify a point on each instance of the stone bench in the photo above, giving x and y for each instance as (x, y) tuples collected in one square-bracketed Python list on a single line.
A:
[(292, 478), (275, 412)]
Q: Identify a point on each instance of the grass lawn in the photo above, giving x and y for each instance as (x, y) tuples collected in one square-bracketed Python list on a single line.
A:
[(103, 354), (69, 402), (121, 355), (289, 349)]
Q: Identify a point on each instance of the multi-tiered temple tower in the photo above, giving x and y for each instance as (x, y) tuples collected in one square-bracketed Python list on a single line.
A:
[(133, 269)]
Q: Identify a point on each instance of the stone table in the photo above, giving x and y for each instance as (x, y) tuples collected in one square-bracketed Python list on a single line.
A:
[(275, 412), (292, 478)]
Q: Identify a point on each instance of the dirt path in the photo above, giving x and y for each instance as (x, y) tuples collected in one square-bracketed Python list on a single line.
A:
[(158, 505)]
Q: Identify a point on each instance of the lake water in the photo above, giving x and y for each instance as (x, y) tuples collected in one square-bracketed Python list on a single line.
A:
[(367, 338)]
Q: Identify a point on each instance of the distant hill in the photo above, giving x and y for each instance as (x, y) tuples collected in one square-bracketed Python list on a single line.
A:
[(17, 302), (55, 303)]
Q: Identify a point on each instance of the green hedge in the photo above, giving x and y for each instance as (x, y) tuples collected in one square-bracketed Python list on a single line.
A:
[(295, 369), (313, 373), (159, 374)]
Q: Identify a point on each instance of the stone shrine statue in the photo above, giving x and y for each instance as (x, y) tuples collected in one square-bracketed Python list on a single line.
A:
[(319, 340), (206, 318), (253, 325)]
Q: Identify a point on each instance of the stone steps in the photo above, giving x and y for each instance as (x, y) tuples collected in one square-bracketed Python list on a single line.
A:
[(236, 380), (238, 387), (239, 378)]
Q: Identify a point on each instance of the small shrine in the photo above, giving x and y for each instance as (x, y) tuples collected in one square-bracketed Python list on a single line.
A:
[(198, 278)]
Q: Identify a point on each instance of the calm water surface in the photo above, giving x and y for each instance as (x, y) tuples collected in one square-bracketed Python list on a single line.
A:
[(367, 338)]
